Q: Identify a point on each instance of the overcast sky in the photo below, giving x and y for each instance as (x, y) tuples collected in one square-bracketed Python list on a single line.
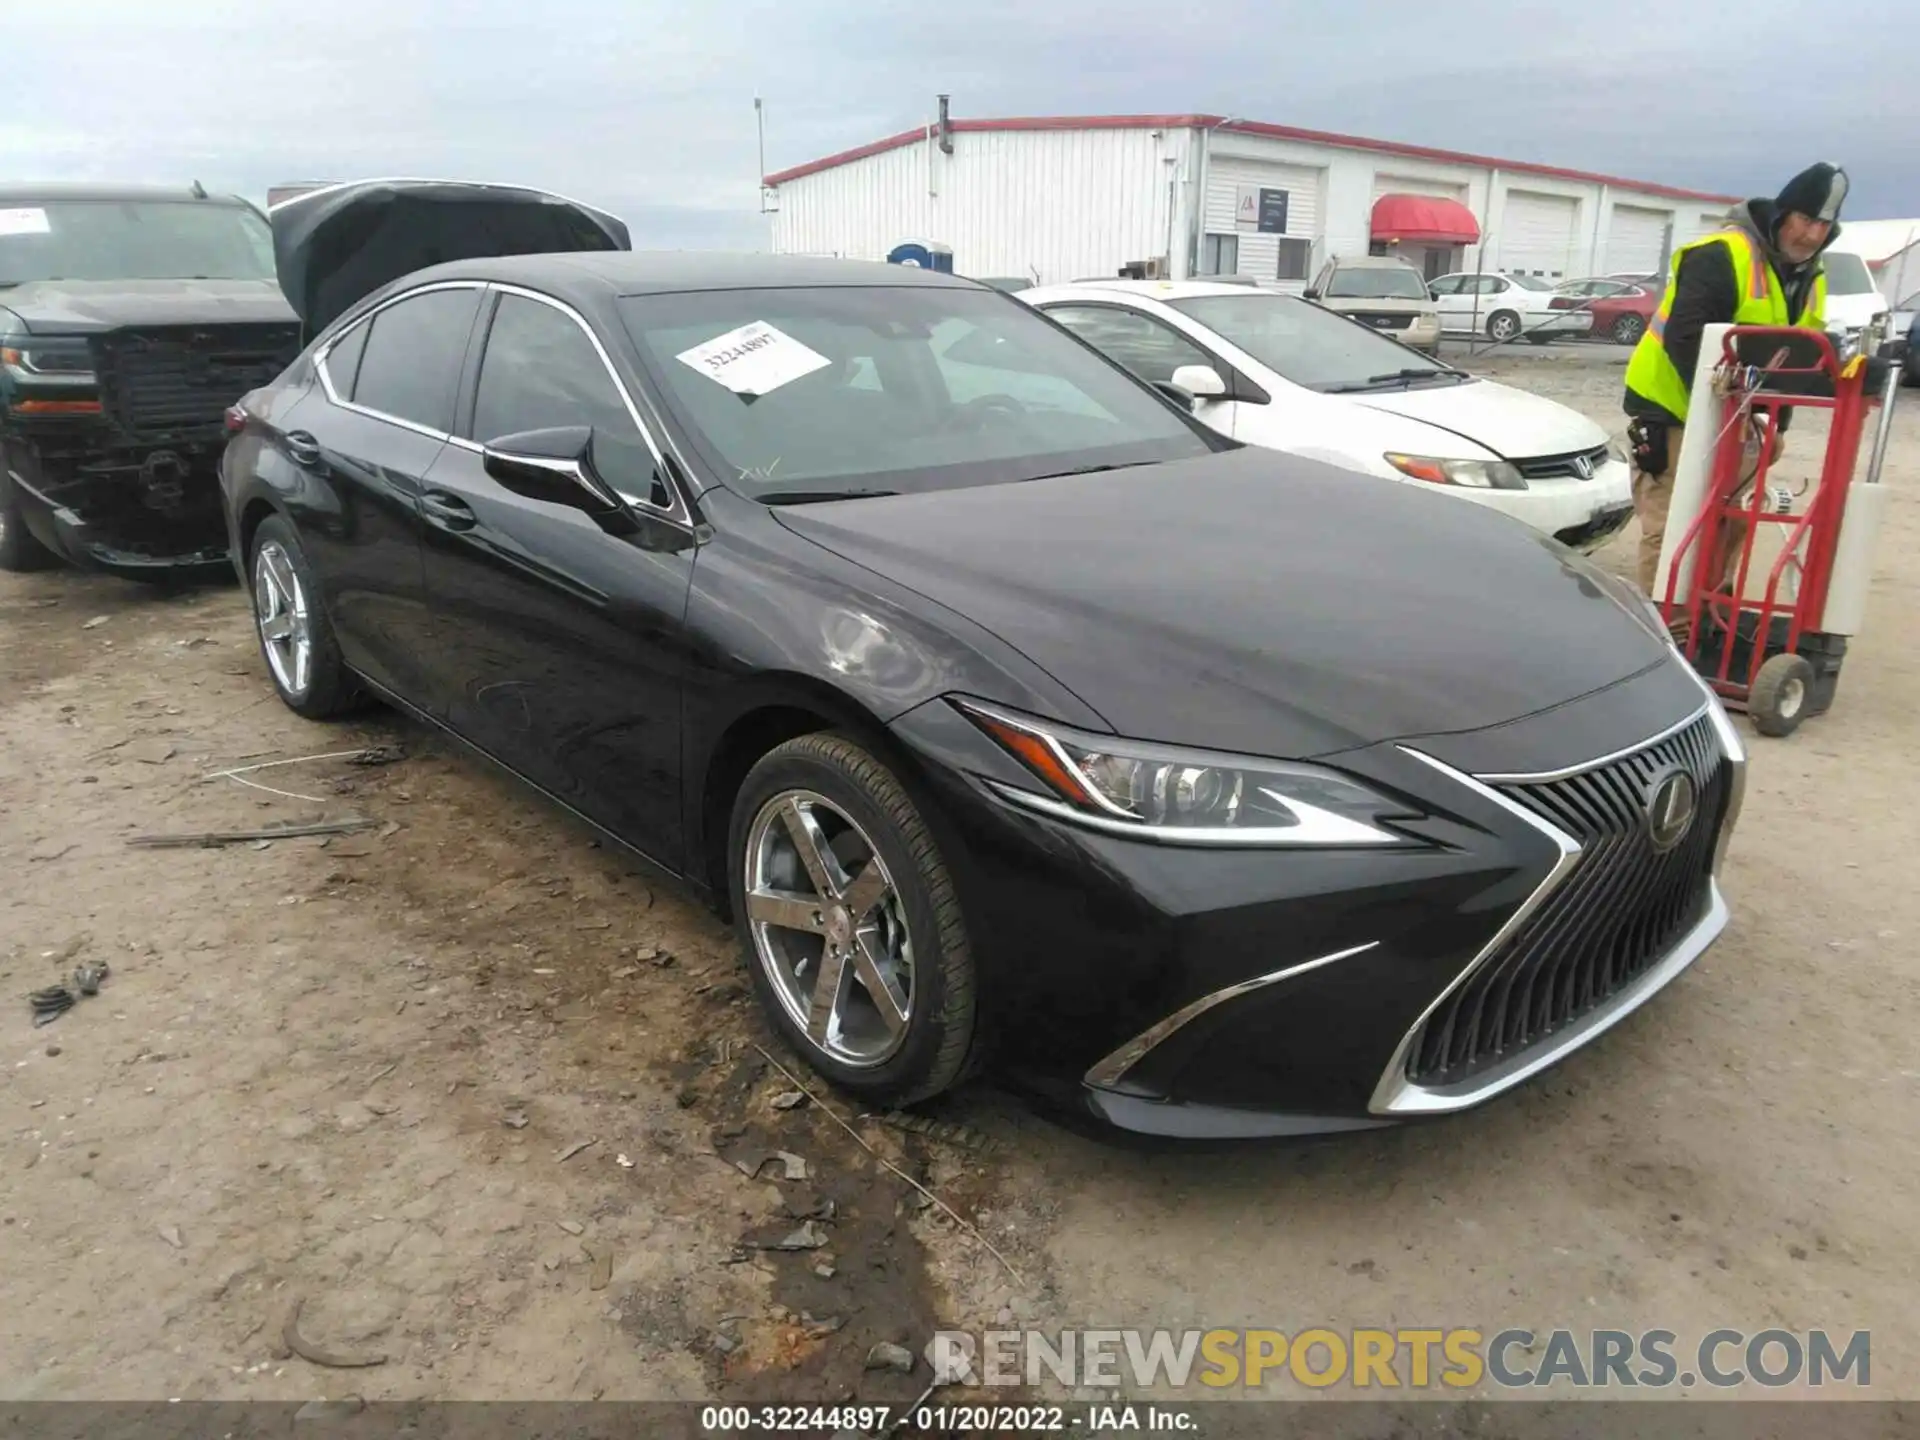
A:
[(647, 108)]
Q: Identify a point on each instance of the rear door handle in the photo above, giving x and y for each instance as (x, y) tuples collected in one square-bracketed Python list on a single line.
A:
[(447, 510), (304, 449)]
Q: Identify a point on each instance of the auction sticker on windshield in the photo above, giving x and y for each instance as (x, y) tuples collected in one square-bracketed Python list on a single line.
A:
[(753, 360), (24, 222)]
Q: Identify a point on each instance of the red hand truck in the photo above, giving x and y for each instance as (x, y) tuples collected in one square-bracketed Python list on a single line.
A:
[(1776, 658)]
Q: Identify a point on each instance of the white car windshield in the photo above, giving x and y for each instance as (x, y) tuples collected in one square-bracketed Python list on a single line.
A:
[(1312, 347), (814, 393), (133, 240), (1847, 274), (1376, 283)]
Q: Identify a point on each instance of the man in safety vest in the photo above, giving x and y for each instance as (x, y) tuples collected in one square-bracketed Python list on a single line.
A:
[(1763, 268)]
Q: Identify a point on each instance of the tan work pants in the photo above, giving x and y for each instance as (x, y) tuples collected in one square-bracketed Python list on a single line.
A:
[(1651, 496)]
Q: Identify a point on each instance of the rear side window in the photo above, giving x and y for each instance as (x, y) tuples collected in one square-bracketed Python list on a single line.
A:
[(410, 368), (343, 360), (541, 372)]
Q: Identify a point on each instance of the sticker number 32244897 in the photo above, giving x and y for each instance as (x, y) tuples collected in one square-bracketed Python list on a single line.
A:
[(753, 359)]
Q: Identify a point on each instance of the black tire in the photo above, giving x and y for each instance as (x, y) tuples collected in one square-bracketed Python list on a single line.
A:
[(1628, 329), (1502, 325), (1782, 692), (330, 688), (20, 551), (942, 1040)]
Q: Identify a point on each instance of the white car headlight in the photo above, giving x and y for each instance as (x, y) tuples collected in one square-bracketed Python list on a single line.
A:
[(1473, 474), (1173, 796)]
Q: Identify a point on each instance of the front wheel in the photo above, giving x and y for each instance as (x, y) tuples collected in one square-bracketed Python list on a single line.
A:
[(1628, 329), (850, 924)]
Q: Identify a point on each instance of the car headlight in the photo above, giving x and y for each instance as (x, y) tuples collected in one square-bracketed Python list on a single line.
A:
[(1174, 796), (49, 362), (1473, 474)]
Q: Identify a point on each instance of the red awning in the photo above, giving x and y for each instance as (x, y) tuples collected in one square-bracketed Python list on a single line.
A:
[(1424, 219)]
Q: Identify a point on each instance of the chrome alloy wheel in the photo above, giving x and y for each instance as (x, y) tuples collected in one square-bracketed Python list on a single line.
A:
[(828, 928), (280, 609)]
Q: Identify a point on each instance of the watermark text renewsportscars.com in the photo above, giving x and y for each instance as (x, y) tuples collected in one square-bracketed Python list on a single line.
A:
[(1376, 1360)]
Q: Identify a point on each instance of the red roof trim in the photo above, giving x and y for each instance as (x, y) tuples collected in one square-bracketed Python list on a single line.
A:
[(1246, 127)]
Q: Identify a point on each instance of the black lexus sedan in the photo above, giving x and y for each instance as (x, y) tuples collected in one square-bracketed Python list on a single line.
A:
[(1006, 710)]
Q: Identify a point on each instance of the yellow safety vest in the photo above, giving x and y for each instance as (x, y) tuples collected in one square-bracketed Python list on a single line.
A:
[(1763, 301)]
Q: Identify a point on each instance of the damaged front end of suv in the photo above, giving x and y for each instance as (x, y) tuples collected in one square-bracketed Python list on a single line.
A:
[(130, 321)]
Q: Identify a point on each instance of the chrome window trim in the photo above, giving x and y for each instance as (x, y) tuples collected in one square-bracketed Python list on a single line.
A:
[(1110, 1070), (678, 508), (366, 318)]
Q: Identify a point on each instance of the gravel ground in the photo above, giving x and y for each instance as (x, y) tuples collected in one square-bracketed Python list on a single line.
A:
[(345, 1078)]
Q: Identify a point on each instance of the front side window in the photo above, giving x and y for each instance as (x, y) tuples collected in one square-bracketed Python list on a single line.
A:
[(800, 393), (1142, 344), (1847, 274), (410, 369), (541, 372), (1308, 345), (1447, 285), (133, 240)]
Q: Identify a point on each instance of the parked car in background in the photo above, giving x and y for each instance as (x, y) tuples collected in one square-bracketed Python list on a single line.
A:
[(1505, 307), (1386, 295), (1621, 310), (1008, 283), (1854, 302), (1214, 791), (1278, 371), (131, 317)]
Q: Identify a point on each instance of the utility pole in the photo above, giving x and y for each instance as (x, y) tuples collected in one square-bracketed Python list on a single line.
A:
[(760, 180)]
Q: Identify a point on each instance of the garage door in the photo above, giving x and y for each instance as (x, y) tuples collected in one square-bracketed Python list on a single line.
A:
[(1537, 234), (1636, 241)]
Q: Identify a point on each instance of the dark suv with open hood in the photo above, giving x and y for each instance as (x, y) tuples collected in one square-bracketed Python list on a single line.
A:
[(131, 317)]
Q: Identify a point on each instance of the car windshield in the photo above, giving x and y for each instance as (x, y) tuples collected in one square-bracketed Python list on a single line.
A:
[(1376, 283), (1847, 274), (1310, 346), (133, 240), (816, 392), (1530, 282)]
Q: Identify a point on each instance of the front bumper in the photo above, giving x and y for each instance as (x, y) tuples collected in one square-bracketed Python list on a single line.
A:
[(1583, 514), (139, 512), (1242, 993)]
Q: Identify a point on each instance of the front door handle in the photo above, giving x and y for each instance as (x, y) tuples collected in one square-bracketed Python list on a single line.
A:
[(447, 510), (304, 449)]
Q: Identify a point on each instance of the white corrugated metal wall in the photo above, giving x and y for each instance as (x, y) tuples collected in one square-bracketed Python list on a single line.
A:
[(1388, 184), (1228, 176), (1064, 204)]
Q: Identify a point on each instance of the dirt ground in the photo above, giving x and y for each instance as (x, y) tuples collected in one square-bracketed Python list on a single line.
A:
[(348, 1078)]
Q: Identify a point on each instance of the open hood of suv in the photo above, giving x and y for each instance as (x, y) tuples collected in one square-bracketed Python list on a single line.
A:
[(335, 245)]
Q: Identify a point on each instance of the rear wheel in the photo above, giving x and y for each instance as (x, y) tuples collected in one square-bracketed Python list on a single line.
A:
[(296, 639), (1628, 329), (1780, 693), (850, 924), (1502, 325), (19, 550)]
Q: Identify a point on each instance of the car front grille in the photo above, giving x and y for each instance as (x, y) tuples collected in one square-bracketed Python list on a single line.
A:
[(1382, 320), (1615, 913), (174, 380), (1576, 465)]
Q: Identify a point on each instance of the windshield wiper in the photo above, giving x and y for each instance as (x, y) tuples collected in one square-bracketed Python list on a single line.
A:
[(813, 497), (1403, 377), (1090, 470)]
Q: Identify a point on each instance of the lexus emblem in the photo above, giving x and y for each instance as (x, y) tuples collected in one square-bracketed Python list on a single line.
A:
[(1583, 467), (1670, 810)]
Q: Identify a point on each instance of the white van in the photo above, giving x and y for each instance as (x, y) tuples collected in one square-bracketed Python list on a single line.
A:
[(1853, 301)]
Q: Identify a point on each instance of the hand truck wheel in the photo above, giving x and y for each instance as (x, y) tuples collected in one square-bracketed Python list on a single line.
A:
[(1778, 702)]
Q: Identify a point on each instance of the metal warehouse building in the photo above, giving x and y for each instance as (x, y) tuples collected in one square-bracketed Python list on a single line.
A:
[(1073, 197)]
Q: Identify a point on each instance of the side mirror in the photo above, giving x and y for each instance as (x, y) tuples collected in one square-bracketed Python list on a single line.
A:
[(555, 467), (1202, 382), (1312, 292)]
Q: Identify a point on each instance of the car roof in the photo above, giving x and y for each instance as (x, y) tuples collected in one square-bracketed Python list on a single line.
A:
[(19, 193), (1141, 289), (642, 272)]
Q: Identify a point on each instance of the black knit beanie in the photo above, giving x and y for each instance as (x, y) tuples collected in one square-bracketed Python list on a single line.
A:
[(1816, 192)]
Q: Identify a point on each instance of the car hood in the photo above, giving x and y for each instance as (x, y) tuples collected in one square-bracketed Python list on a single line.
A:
[(1385, 304), (1511, 423), (69, 307), (1258, 602), (336, 245)]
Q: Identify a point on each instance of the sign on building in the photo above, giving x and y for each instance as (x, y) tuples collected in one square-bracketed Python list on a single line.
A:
[(1259, 209)]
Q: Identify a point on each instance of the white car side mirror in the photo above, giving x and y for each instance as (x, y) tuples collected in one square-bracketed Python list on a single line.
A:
[(1202, 382)]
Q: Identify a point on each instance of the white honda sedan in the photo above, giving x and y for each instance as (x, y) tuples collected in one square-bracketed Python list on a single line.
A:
[(1277, 371)]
